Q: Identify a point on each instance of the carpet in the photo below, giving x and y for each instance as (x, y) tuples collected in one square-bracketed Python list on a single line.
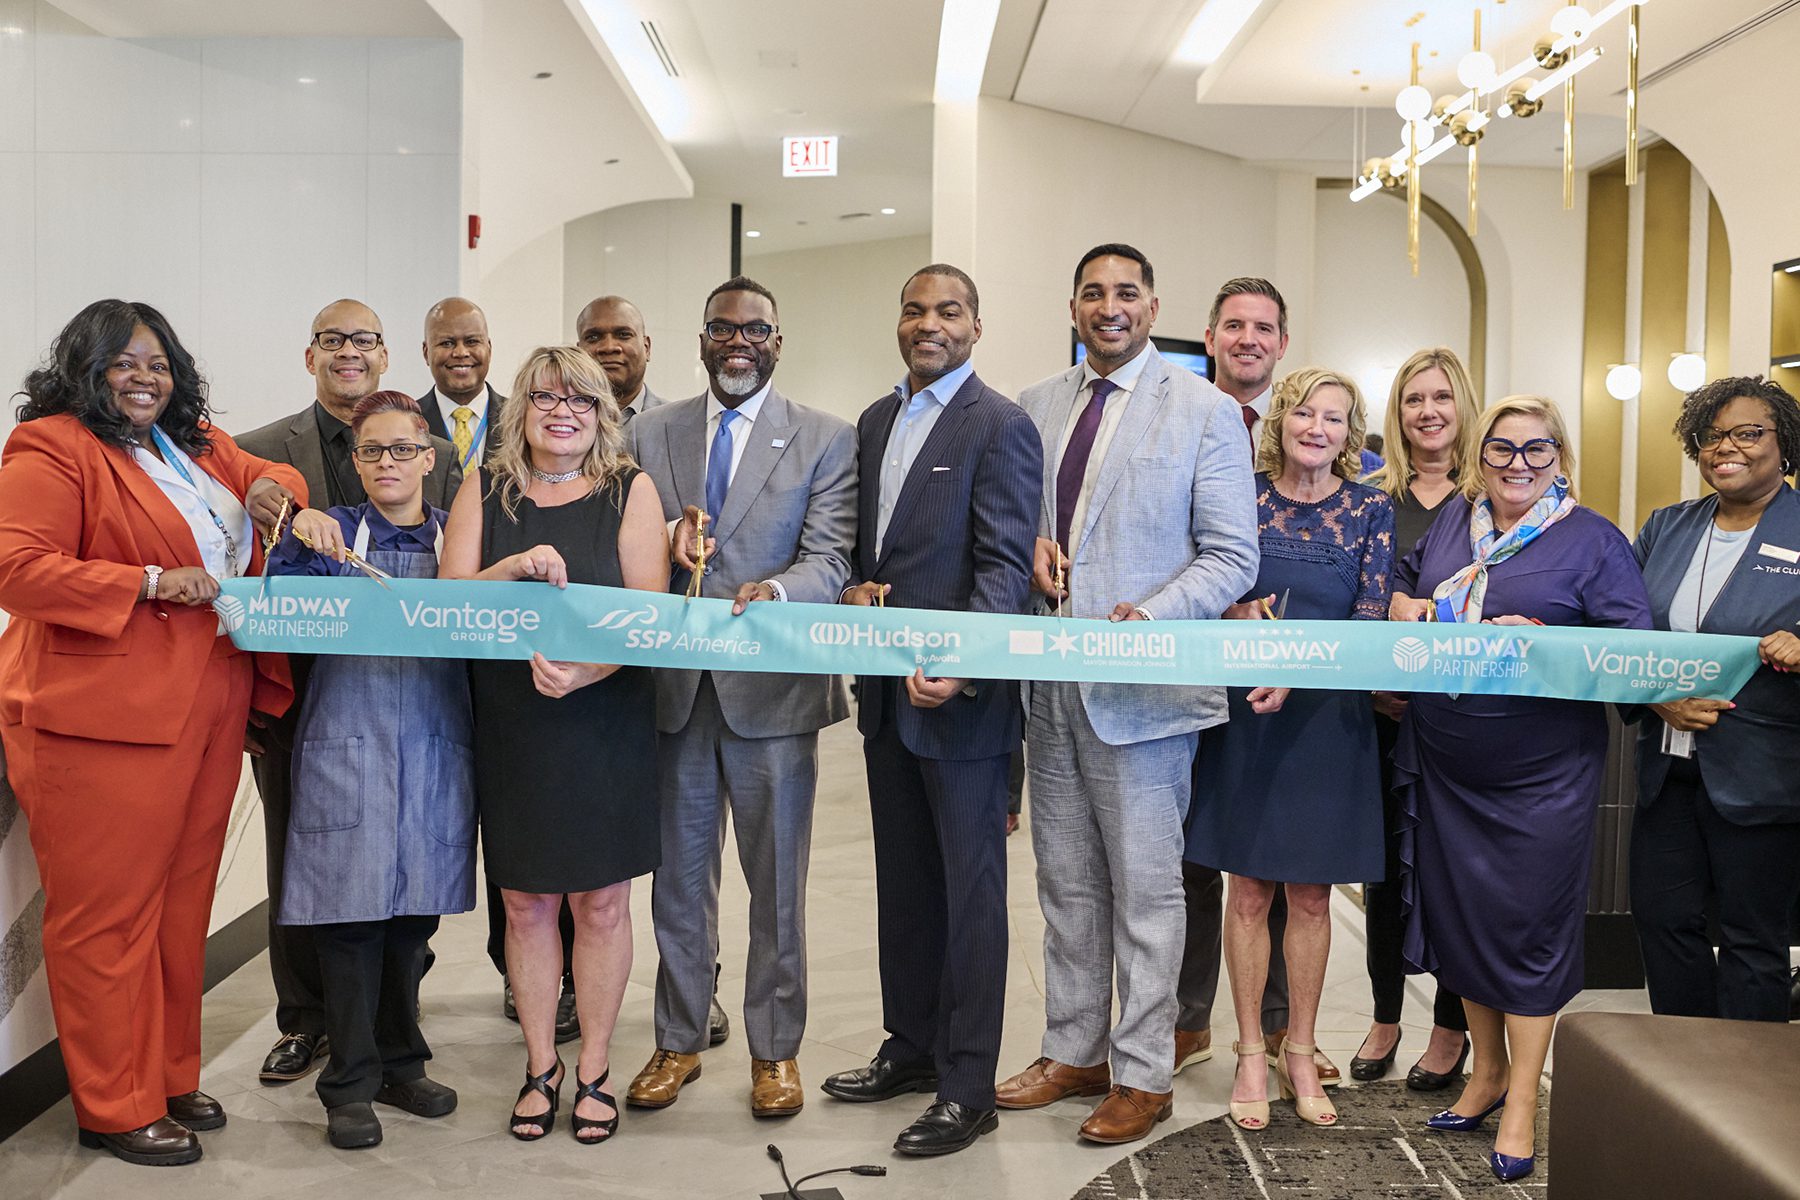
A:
[(1379, 1148)]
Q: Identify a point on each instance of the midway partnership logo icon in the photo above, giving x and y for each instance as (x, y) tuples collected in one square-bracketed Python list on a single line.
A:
[(286, 616), (1411, 654)]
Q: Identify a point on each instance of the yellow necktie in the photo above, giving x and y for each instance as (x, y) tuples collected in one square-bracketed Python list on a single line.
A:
[(463, 436)]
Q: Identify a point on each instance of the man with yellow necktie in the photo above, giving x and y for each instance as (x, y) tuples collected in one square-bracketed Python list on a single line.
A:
[(460, 406)]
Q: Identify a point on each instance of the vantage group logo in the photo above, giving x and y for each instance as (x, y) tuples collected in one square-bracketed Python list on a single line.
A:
[(1411, 654)]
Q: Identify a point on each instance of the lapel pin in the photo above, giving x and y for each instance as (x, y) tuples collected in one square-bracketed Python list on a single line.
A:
[(778, 443)]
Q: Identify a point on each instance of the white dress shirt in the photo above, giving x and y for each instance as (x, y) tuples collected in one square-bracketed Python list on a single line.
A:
[(1125, 378), (197, 502), (447, 409), (918, 416)]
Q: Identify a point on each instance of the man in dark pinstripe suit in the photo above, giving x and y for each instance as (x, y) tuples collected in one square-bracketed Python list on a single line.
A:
[(952, 478)]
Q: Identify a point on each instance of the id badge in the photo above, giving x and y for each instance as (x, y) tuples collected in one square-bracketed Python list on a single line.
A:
[(1677, 743)]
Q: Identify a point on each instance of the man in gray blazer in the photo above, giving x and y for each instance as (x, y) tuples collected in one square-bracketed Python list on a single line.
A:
[(1148, 514), (346, 358), (611, 329), (772, 487)]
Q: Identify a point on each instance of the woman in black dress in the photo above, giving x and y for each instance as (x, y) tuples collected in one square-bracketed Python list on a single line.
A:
[(565, 753)]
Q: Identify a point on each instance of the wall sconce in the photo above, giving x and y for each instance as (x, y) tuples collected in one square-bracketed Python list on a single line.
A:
[(1624, 381), (1686, 371)]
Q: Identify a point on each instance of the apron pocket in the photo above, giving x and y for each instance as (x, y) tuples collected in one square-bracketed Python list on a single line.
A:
[(328, 785), (451, 775)]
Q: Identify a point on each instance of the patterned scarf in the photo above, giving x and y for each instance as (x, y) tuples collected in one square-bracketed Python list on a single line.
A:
[(1459, 597)]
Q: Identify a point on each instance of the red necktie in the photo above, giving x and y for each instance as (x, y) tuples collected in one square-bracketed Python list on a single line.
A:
[(1075, 460), (1249, 415)]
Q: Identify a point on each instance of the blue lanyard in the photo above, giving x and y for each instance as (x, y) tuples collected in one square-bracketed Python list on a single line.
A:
[(172, 457), (476, 439)]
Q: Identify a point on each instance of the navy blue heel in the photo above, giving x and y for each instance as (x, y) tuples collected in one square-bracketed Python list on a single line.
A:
[(1451, 1121), (1507, 1168)]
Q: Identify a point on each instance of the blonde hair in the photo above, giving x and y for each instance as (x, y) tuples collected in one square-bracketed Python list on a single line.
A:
[(1545, 410), (572, 369), (1397, 473), (1291, 393)]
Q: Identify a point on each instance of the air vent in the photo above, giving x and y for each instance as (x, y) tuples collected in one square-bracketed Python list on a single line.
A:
[(662, 51), (855, 216), (1724, 39)]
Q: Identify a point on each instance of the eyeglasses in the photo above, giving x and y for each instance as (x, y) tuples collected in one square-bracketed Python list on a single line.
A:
[(1744, 437), (371, 452), (331, 339), (1538, 452), (547, 401), (755, 332)]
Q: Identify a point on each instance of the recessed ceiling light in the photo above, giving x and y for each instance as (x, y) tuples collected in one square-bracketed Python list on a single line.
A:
[(307, 79), (752, 233), (542, 75), (887, 212)]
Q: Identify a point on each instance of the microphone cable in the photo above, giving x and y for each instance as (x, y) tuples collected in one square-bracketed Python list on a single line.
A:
[(793, 1186)]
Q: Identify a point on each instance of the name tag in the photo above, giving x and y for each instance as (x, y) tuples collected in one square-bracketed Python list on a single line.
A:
[(1770, 550)]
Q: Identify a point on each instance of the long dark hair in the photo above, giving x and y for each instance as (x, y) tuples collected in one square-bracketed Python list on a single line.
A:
[(73, 380)]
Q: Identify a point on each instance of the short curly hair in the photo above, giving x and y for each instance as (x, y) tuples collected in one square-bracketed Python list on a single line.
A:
[(1704, 402)]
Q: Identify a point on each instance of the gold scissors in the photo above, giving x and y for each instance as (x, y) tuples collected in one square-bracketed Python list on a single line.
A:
[(1280, 610)]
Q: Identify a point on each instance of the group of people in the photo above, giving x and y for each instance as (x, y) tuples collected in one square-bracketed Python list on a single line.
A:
[(1174, 827)]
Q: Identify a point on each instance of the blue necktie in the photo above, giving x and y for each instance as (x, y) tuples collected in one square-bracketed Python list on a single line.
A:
[(718, 466)]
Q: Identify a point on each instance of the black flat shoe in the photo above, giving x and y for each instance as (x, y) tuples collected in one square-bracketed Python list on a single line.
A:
[(1420, 1080), (294, 1056), (543, 1122), (1367, 1070), (579, 1125), (198, 1111), (945, 1128), (718, 1025), (568, 1021), (353, 1126), (421, 1097), (161, 1143), (882, 1079)]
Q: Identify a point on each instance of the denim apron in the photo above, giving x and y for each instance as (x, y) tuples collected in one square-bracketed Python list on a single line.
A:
[(383, 818)]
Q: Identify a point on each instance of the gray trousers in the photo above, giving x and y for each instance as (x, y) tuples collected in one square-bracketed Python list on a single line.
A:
[(768, 784), (1106, 826)]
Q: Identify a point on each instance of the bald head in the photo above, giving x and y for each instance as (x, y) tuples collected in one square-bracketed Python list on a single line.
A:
[(346, 374), (457, 349), (611, 329)]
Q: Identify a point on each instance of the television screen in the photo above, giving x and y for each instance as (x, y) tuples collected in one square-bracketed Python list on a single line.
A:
[(1181, 351)]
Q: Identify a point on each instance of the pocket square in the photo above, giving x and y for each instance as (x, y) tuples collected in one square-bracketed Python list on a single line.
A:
[(940, 468)]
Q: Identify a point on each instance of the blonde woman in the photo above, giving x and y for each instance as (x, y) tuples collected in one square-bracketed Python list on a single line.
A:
[(1292, 782), (1431, 417), (565, 753)]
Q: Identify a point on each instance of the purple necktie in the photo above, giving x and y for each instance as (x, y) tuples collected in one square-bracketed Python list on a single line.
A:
[(1075, 460)]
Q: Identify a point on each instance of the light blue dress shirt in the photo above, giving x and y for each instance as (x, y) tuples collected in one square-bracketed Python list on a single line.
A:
[(912, 425)]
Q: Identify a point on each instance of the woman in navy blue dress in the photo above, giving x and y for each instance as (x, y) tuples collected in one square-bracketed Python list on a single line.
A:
[(1499, 791), (1292, 780)]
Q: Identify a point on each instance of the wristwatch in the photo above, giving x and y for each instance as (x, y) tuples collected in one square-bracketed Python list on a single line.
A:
[(152, 574)]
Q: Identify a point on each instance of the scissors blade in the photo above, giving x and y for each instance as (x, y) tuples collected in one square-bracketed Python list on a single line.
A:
[(1281, 609)]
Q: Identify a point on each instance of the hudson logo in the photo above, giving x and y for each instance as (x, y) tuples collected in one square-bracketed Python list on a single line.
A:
[(621, 618), (838, 633), (469, 623), (1411, 654)]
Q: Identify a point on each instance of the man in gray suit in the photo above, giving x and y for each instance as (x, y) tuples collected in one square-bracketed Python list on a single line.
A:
[(346, 358), (772, 487), (1148, 513), (611, 329)]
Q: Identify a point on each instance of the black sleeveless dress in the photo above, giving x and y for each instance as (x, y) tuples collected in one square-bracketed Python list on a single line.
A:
[(566, 788)]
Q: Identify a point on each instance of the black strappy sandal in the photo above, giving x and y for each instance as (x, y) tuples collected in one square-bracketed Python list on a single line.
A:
[(579, 1124), (545, 1121)]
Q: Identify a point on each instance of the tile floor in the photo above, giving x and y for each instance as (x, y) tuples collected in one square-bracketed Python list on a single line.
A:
[(707, 1145)]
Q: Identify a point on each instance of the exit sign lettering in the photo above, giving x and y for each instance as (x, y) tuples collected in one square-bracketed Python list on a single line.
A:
[(802, 156)]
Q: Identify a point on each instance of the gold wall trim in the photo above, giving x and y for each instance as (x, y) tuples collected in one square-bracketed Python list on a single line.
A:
[(1475, 273), (1667, 180), (1603, 339)]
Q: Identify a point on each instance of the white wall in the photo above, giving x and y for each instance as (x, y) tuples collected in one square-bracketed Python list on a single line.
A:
[(839, 309)]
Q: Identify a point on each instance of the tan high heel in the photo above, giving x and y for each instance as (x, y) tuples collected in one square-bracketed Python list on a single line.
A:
[(1314, 1110), (1250, 1114)]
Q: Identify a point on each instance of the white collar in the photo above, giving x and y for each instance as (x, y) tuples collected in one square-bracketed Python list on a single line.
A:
[(478, 405), (1126, 376)]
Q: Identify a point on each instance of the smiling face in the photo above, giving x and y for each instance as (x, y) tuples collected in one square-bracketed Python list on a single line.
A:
[(1113, 310), (457, 350), (937, 331), (738, 368), (1314, 431), (345, 375), (611, 330), (561, 435), (1246, 343), (1514, 488), (392, 484), (1739, 475), (1428, 418), (140, 380)]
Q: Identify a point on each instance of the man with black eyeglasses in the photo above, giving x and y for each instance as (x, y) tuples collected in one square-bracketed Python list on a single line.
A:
[(346, 357)]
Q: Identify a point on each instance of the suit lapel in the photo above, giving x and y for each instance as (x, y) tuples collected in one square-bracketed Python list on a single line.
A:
[(944, 434), (1141, 407), (1055, 421), (686, 446), (434, 419), (760, 456), (868, 467), (305, 456), (171, 527)]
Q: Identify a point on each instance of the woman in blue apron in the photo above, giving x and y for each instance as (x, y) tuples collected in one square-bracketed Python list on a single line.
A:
[(381, 840)]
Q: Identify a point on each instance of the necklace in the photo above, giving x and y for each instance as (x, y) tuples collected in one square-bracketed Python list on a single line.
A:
[(559, 477)]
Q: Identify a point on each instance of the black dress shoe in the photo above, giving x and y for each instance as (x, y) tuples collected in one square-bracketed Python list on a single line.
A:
[(718, 1025), (507, 1008), (161, 1143), (353, 1126), (421, 1097), (1420, 1080), (945, 1128), (1367, 1070), (198, 1111), (568, 1021), (293, 1056), (882, 1079)]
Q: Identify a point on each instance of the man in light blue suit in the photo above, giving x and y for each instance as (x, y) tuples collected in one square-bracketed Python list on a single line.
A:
[(1148, 514)]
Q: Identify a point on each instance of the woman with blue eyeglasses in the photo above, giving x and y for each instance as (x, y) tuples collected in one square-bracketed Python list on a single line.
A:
[(1498, 792)]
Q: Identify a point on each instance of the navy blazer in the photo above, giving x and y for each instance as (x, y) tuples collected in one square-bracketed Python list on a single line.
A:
[(1750, 760), (428, 404), (961, 537)]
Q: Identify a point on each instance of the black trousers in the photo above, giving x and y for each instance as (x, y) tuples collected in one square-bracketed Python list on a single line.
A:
[(1385, 925), (496, 943), (293, 960), (1687, 857), (940, 886), (372, 973)]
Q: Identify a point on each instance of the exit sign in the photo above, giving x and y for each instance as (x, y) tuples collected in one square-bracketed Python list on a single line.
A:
[(802, 156)]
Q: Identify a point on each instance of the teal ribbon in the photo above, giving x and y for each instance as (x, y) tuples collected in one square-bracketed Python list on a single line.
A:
[(430, 618)]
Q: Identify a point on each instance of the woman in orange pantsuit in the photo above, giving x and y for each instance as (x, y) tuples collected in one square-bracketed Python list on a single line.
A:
[(123, 707)]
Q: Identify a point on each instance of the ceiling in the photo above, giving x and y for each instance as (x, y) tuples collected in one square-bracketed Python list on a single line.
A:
[(257, 18)]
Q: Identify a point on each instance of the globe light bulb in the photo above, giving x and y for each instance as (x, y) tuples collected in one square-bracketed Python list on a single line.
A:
[(1413, 103), (1624, 381), (1572, 22), (1422, 133), (1476, 70), (1687, 372)]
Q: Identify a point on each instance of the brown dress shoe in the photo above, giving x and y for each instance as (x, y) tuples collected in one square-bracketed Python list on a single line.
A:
[(1127, 1114), (775, 1087), (162, 1143), (1192, 1046), (1046, 1081), (661, 1080), (1329, 1075)]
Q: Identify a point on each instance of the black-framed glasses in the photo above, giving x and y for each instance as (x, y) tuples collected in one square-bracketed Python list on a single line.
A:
[(755, 332), (1538, 452), (371, 452), (331, 339), (1744, 437), (547, 401)]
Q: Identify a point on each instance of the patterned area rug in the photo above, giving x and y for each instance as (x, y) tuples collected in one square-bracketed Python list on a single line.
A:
[(1380, 1148)]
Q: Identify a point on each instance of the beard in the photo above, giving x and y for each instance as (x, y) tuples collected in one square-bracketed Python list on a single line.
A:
[(737, 383)]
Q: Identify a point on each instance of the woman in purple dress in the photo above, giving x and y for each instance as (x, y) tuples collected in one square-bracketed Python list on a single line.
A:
[(1499, 791)]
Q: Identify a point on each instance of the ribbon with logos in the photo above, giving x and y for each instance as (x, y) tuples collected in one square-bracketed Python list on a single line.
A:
[(480, 619)]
